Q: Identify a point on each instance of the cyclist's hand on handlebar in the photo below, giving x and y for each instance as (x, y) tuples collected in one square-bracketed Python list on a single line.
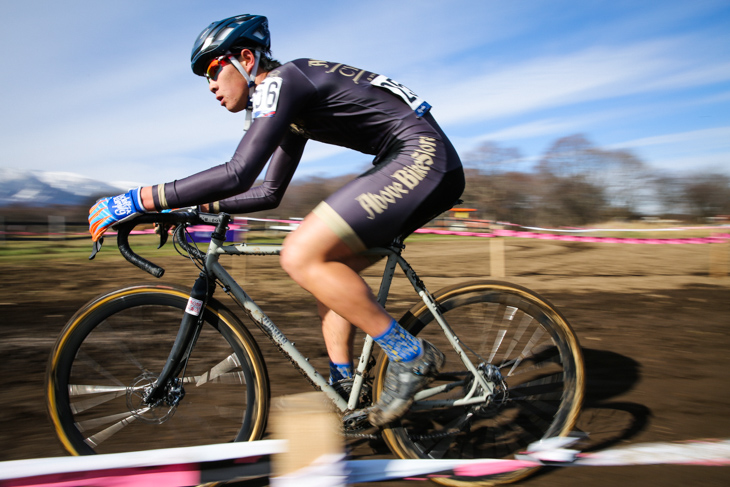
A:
[(164, 228), (111, 210)]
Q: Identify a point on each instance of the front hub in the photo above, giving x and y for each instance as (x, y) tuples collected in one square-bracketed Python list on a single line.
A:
[(156, 412)]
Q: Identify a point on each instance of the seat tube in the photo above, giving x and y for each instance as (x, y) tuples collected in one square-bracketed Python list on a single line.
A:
[(367, 350)]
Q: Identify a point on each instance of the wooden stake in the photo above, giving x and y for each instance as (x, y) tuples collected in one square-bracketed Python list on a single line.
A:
[(719, 259), (316, 447), (496, 257)]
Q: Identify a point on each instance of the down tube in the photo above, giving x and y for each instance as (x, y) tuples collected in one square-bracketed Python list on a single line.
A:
[(276, 335)]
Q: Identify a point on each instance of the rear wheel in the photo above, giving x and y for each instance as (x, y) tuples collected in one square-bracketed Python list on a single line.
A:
[(113, 349), (523, 347)]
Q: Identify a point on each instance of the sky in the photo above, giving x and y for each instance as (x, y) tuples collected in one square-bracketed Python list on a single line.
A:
[(104, 89)]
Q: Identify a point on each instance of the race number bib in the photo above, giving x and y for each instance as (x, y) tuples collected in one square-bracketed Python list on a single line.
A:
[(266, 97), (418, 104)]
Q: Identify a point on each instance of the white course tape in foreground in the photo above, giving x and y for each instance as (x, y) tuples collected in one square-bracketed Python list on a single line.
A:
[(552, 452), (150, 458)]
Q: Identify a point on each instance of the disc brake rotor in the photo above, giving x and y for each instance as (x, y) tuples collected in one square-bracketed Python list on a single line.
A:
[(156, 413)]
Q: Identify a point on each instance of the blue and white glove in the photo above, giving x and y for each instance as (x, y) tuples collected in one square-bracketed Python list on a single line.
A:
[(112, 210)]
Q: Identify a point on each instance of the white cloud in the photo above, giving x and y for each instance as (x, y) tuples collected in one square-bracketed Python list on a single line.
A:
[(593, 74), (717, 136)]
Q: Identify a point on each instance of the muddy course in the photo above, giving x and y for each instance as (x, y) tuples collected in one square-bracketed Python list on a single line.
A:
[(653, 321)]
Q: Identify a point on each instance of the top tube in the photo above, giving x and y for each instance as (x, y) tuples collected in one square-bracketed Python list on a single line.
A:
[(273, 249)]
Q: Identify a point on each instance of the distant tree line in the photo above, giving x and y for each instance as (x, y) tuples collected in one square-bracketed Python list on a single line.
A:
[(576, 183), (573, 183)]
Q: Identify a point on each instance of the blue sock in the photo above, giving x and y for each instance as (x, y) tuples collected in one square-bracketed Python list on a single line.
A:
[(398, 344), (340, 371)]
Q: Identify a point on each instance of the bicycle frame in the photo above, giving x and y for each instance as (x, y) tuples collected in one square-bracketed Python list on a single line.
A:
[(480, 391)]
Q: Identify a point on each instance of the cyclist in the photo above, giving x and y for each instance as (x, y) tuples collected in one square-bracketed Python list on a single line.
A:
[(416, 175)]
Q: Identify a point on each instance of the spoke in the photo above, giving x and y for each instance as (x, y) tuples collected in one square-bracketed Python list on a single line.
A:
[(535, 413), (497, 344), (140, 317), (526, 320), (237, 378), (501, 322), (220, 373), (81, 406), (538, 362), (494, 321), (80, 390), (97, 422), (534, 340), (497, 438), (86, 359), (441, 446), (546, 387), (527, 351), (122, 420)]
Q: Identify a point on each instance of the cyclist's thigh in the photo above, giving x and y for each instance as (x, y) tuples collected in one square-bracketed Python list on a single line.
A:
[(395, 197)]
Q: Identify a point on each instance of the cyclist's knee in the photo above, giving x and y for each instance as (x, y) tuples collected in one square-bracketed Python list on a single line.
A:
[(291, 258), (299, 256)]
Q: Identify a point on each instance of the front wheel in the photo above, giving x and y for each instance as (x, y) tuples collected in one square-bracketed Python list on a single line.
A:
[(524, 349), (113, 349)]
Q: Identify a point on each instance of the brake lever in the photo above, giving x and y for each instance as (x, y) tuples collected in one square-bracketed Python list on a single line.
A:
[(162, 231), (96, 248)]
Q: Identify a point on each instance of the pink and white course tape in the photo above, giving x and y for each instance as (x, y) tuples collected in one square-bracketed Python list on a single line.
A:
[(179, 467)]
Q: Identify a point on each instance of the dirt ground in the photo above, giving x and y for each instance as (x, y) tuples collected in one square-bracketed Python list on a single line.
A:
[(653, 323)]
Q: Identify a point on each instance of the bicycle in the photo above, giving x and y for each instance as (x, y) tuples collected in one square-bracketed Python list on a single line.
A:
[(118, 380)]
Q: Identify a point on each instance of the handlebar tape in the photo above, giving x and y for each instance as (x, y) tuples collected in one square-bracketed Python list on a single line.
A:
[(172, 218)]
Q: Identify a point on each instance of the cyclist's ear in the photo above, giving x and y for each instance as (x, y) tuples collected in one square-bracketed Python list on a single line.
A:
[(248, 58)]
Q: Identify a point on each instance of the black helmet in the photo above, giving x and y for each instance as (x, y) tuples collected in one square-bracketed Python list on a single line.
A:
[(218, 38)]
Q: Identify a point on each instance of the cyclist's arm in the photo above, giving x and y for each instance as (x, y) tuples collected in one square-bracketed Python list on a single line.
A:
[(257, 146), (268, 195)]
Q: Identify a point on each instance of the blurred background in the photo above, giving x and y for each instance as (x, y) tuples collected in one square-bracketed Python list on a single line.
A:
[(564, 113), (608, 116)]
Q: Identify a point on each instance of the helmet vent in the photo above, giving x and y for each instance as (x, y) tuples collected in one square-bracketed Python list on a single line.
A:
[(224, 33)]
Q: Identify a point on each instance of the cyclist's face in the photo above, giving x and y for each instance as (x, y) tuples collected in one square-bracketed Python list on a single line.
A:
[(229, 86)]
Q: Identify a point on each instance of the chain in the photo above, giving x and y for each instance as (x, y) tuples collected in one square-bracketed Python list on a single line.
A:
[(435, 436), (365, 436)]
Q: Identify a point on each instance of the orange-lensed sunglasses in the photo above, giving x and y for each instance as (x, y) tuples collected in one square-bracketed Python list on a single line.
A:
[(215, 67)]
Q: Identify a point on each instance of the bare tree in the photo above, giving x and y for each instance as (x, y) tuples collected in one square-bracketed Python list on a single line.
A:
[(569, 156), (490, 158), (669, 194), (708, 195), (624, 178)]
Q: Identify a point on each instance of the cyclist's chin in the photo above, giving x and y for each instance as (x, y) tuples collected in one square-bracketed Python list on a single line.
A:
[(234, 107)]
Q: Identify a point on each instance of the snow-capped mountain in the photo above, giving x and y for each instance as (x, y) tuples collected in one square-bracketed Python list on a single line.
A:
[(35, 188)]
